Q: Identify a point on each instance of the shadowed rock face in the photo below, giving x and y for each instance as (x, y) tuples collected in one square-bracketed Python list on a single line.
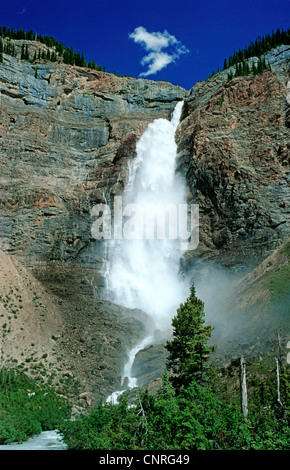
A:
[(66, 136)]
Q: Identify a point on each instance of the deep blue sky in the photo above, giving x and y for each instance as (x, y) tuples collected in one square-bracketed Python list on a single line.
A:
[(210, 29)]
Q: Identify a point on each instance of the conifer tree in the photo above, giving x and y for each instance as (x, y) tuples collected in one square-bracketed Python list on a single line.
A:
[(188, 350), (77, 59), (26, 54), (83, 61), (1, 50), (22, 52), (72, 56)]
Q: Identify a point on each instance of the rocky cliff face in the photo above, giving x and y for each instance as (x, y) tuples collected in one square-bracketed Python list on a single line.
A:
[(234, 149), (234, 152), (66, 136)]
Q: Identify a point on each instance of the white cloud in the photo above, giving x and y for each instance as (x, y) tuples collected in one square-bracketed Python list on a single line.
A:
[(154, 43), (156, 61)]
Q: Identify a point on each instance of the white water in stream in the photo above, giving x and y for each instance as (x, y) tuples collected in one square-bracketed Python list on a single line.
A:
[(144, 273), (47, 440)]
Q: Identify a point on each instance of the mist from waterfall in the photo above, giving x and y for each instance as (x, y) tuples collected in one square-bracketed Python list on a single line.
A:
[(145, 273)]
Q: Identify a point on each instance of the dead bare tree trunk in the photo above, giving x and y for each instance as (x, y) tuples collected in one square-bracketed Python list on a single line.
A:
[(144, 423), (278, 382), (243, 384)]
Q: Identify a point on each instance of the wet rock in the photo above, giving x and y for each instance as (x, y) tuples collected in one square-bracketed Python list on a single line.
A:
[(149, 364)]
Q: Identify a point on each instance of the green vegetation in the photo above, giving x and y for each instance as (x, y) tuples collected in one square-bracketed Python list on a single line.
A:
[(59, 52), (192, 409), (27, 408), (278, 281), (1, 50), (66, 54), (195, 408), (242, 68), (262, 45), (188, 350)]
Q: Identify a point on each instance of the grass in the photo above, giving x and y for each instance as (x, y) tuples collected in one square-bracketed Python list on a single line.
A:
[(278, 282)]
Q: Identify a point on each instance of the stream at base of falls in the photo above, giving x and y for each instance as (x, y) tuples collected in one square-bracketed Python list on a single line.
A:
[(47, 440)]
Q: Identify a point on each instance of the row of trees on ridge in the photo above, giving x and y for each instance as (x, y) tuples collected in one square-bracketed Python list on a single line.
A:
[(56, 51), (257, 48)]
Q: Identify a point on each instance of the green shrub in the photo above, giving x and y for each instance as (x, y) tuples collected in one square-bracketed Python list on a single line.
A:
[(187, 413), (26, 408)]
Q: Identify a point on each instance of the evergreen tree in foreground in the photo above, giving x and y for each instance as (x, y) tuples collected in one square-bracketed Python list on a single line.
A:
[(188, 350), (188, 414)]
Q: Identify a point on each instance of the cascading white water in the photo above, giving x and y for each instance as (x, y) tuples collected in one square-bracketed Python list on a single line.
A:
[(144, 273)]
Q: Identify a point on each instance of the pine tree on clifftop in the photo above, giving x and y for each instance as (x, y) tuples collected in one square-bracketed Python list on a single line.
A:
[(1, 50)]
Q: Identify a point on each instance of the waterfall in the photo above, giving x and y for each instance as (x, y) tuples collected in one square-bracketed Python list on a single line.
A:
[(143, 269)]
